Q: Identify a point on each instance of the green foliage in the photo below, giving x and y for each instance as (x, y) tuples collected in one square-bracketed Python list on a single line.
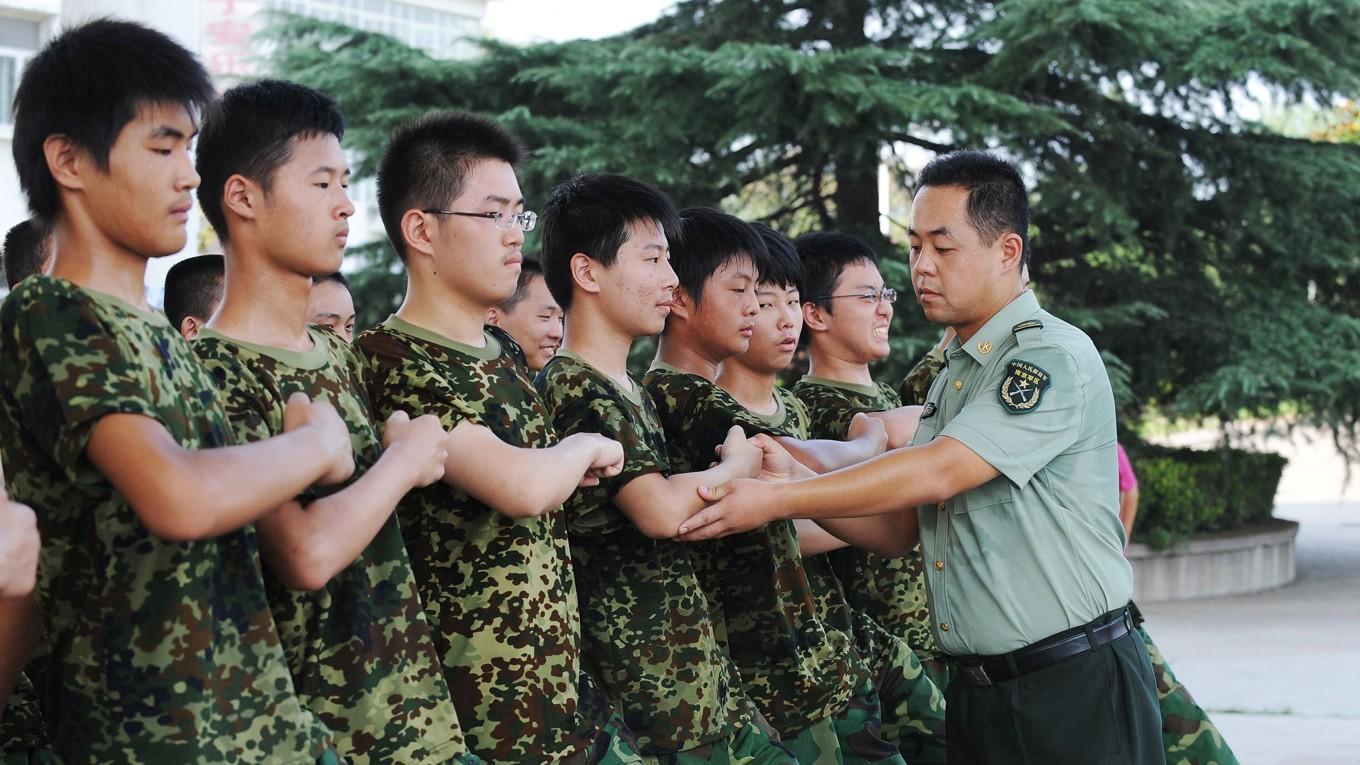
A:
[(1183, 492), (1212, 259)]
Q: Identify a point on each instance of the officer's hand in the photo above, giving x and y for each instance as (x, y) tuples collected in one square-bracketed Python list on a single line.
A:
[(739, 506), (899, 424), (421, 445), (301, 412), (19, 546)]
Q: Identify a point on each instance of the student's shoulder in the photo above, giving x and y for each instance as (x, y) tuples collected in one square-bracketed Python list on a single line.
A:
[(671, 386), (47, 302), (509, 348), (565, 376)]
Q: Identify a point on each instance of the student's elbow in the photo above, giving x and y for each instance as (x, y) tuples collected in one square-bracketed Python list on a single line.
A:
[(165, 516), (525, 505), (300, 568)]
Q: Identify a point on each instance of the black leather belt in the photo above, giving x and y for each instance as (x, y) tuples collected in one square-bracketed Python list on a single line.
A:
[(982, 671)]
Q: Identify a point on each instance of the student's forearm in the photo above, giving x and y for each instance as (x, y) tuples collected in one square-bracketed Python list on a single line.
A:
[(182, 494), (815, 540), (891, 535), (306, 546), (825, 455), (669, 502), (518, 482), (20, 628)]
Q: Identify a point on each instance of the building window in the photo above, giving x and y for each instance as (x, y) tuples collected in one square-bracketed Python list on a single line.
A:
[(438, 33), (19, 39)]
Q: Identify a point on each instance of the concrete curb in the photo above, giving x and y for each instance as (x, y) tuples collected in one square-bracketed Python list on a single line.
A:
[(1232, 563)]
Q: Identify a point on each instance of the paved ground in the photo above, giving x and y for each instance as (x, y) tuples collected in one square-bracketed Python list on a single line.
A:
[(1280, 670)]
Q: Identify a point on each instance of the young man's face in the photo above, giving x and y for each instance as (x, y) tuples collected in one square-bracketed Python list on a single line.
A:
[(304, 220), (857, 327), (329, 304), (774, 340), (957, 277), (473, 258), (535, 322), (724, 320), (636, 290), (143, 200)]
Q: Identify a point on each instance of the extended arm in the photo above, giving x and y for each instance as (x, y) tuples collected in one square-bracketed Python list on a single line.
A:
[(183, 494), (525, 483), (658, 504)]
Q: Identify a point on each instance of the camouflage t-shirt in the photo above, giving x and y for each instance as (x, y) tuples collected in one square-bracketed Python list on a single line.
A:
[(160, 652), (498, 590), (891, 591), (21, 725), (360, 648), (916, 384), (797, 670), (647, 636)]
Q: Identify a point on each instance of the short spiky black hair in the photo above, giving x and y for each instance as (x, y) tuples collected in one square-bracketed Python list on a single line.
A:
[(591, 214), (193, 287), (997, 200), (87, 84), (781, 268), (710, 240), (529, 269), (428, 160), (251, 131), (26, 249), (825, 256)]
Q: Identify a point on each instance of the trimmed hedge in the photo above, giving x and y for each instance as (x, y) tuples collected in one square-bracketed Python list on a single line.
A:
[(1183, 492)]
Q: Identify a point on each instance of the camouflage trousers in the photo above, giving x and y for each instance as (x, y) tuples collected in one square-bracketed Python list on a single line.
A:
[(912, 706), (853, 736), (1188, 734), (747, 744), (615, 745)]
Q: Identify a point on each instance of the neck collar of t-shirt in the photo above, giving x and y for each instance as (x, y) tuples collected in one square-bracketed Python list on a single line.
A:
[(634, 396), (312, 359), (490, 348), (997, 330), (147, 314), (871, 391)]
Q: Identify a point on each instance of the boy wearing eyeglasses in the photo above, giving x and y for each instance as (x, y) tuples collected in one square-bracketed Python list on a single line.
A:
[(489, 542), (805, 676), (846, 312)]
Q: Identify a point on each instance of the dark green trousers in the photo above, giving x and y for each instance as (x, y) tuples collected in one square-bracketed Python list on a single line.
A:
[(1093, 709)]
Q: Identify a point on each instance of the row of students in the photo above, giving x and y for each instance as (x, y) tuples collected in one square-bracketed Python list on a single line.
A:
[(276, 547)]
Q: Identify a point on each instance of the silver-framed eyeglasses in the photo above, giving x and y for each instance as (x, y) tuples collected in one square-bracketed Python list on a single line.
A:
[(524, 221), (886, 295)]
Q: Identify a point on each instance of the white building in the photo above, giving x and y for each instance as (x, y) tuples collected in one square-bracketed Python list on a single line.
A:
[(220, 31)]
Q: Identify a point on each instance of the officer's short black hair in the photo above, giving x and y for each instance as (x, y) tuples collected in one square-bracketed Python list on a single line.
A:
[(193, 287), (710, 240), (87, 84), (997, 200), (27, 245), (825, 255), (336, 277), (428, 160), (591, 214), (251, 132), (781, 267), (529, 269)]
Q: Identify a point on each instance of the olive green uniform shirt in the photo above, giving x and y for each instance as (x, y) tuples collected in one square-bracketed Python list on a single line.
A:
[(1038, 549)]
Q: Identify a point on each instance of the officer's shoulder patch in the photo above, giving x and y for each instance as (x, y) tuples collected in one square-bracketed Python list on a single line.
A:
[(1024, 325), (1022, 387)]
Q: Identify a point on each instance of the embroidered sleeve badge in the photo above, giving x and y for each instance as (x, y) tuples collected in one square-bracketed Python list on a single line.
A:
[(1022, 387)]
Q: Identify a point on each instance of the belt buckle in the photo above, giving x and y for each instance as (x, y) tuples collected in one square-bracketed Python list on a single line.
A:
[(976, 675)]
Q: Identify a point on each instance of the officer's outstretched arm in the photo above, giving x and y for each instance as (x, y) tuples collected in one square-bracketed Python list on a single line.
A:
[(899, 480)]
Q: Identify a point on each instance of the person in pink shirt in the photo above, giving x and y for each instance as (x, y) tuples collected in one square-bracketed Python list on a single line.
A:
[(1128, 493)]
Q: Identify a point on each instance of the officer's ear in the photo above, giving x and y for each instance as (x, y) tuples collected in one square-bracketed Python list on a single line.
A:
[(1012, 253)]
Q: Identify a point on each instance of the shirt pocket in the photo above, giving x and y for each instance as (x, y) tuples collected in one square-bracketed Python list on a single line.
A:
[(997, 493)]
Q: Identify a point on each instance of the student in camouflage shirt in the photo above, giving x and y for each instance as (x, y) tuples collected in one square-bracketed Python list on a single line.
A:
[(340, 583), (489, 543), (162, 646), (806, 679), (847, 317), (913, 714), (647, 632)]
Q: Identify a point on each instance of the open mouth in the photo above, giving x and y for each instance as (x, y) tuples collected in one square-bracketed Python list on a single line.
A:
[(880, 333)]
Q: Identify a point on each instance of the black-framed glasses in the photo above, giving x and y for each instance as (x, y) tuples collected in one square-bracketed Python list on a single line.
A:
[(886, 295), (524, 221)]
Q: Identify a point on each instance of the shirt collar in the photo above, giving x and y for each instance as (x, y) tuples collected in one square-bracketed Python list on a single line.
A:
[(989, 339)]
